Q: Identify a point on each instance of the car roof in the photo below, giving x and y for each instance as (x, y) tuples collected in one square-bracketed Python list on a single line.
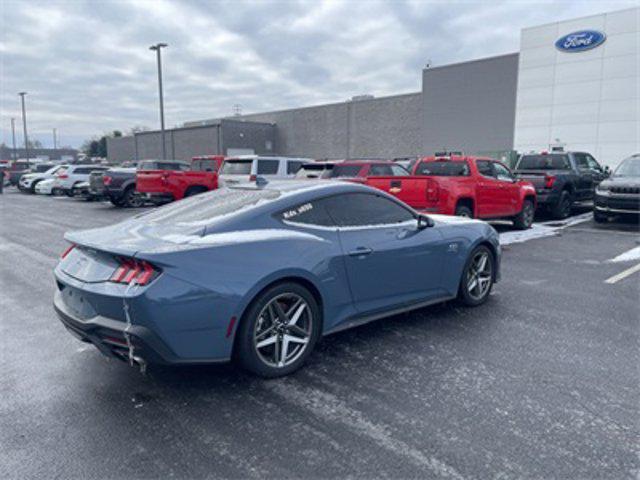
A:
[(302, 186), (267, 157), (363, 161)]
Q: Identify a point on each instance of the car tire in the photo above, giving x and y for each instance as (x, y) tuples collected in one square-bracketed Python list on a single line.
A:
[(478, 270), (463, 211), (131, 199), (600, 217), (262, 318), (562, 209), (32, 189), (56, 192), (524, 219)]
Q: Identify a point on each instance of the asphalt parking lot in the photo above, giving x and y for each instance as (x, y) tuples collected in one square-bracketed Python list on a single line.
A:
[(542, 381)]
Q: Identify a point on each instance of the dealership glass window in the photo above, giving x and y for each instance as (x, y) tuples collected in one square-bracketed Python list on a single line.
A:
[(268, 167), (237, 167), (502, 172), (309, 213), (293, 167), (485, 168), (364, 209), (345, 171), (457, 168)]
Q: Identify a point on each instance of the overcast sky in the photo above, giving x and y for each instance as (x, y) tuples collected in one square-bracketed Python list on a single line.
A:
[(88, 69)]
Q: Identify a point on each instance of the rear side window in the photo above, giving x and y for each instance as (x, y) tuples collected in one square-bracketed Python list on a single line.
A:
[(237, 167), (365, 209), (205, 165), (268, 167), (377, 170), (147, 166), (345, 171), (293, 167), (309, 213), (444, 169), (544, 162)]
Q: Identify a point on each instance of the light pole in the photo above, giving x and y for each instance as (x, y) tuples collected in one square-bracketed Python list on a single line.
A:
[(24, 126), (13, 136), (157, 47), (55, 138)]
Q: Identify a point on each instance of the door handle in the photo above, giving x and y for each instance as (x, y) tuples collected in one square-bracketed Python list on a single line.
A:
[(360, 251)]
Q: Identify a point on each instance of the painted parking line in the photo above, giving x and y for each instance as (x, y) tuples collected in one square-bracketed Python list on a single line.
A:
[(622, 275), (628, 256)]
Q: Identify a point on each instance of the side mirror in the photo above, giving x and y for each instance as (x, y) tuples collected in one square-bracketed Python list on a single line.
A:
[(607, 170), (424, 222)]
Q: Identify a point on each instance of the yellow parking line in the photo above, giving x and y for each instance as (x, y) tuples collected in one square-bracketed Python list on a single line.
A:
[(622, 275)]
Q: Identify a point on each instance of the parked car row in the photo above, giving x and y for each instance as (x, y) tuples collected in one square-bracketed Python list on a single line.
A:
[(448, 183)]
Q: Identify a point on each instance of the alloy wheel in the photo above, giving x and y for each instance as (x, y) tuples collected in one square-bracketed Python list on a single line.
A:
[(528, 214), (479, 275), (283, 330)]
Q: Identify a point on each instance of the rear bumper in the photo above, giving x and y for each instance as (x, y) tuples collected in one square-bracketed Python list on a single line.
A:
[(108, 336)]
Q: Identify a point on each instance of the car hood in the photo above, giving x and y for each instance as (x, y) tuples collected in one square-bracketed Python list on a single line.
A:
[(622, 182)]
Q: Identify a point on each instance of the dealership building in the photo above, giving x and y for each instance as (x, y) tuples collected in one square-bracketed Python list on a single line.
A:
[(573, 83)]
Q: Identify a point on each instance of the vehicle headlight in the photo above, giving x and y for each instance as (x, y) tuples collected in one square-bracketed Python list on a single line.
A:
[(602, 188)]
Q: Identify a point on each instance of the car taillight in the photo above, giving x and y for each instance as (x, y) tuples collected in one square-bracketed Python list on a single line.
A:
[(106, 179), (137, 271), (68, 250), (63, 176), (253, 178), (549, 180), (433, 191)]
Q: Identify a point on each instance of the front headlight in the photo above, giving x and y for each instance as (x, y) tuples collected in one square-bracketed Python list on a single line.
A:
[(602, 187)]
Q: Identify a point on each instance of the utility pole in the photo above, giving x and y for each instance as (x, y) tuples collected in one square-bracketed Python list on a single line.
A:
[(24, 125), (157, 47), (14, 155), (55, 140)]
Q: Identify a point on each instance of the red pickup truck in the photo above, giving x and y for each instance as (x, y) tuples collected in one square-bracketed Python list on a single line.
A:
[(463, 185), (184, 180)]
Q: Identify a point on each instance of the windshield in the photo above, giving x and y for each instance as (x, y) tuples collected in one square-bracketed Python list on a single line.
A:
[(205, 208), (315, 170), (345, 171), (205, 165), (236, 167), (544, 162), (444, 168), (630, 167)]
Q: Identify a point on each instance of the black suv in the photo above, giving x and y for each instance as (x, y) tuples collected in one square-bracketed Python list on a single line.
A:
[(561, 178), (620, 194)]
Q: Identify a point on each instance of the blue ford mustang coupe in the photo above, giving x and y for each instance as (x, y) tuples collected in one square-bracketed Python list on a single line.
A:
[(260, 272)]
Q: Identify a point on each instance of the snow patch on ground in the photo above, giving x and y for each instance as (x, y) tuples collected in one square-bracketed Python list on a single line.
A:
[(628, 256), (541, 230)]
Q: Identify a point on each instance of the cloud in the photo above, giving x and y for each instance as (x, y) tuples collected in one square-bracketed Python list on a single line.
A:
[(87, 67)]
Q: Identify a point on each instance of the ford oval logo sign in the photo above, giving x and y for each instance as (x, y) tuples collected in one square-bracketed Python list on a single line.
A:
[(580, 41)]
